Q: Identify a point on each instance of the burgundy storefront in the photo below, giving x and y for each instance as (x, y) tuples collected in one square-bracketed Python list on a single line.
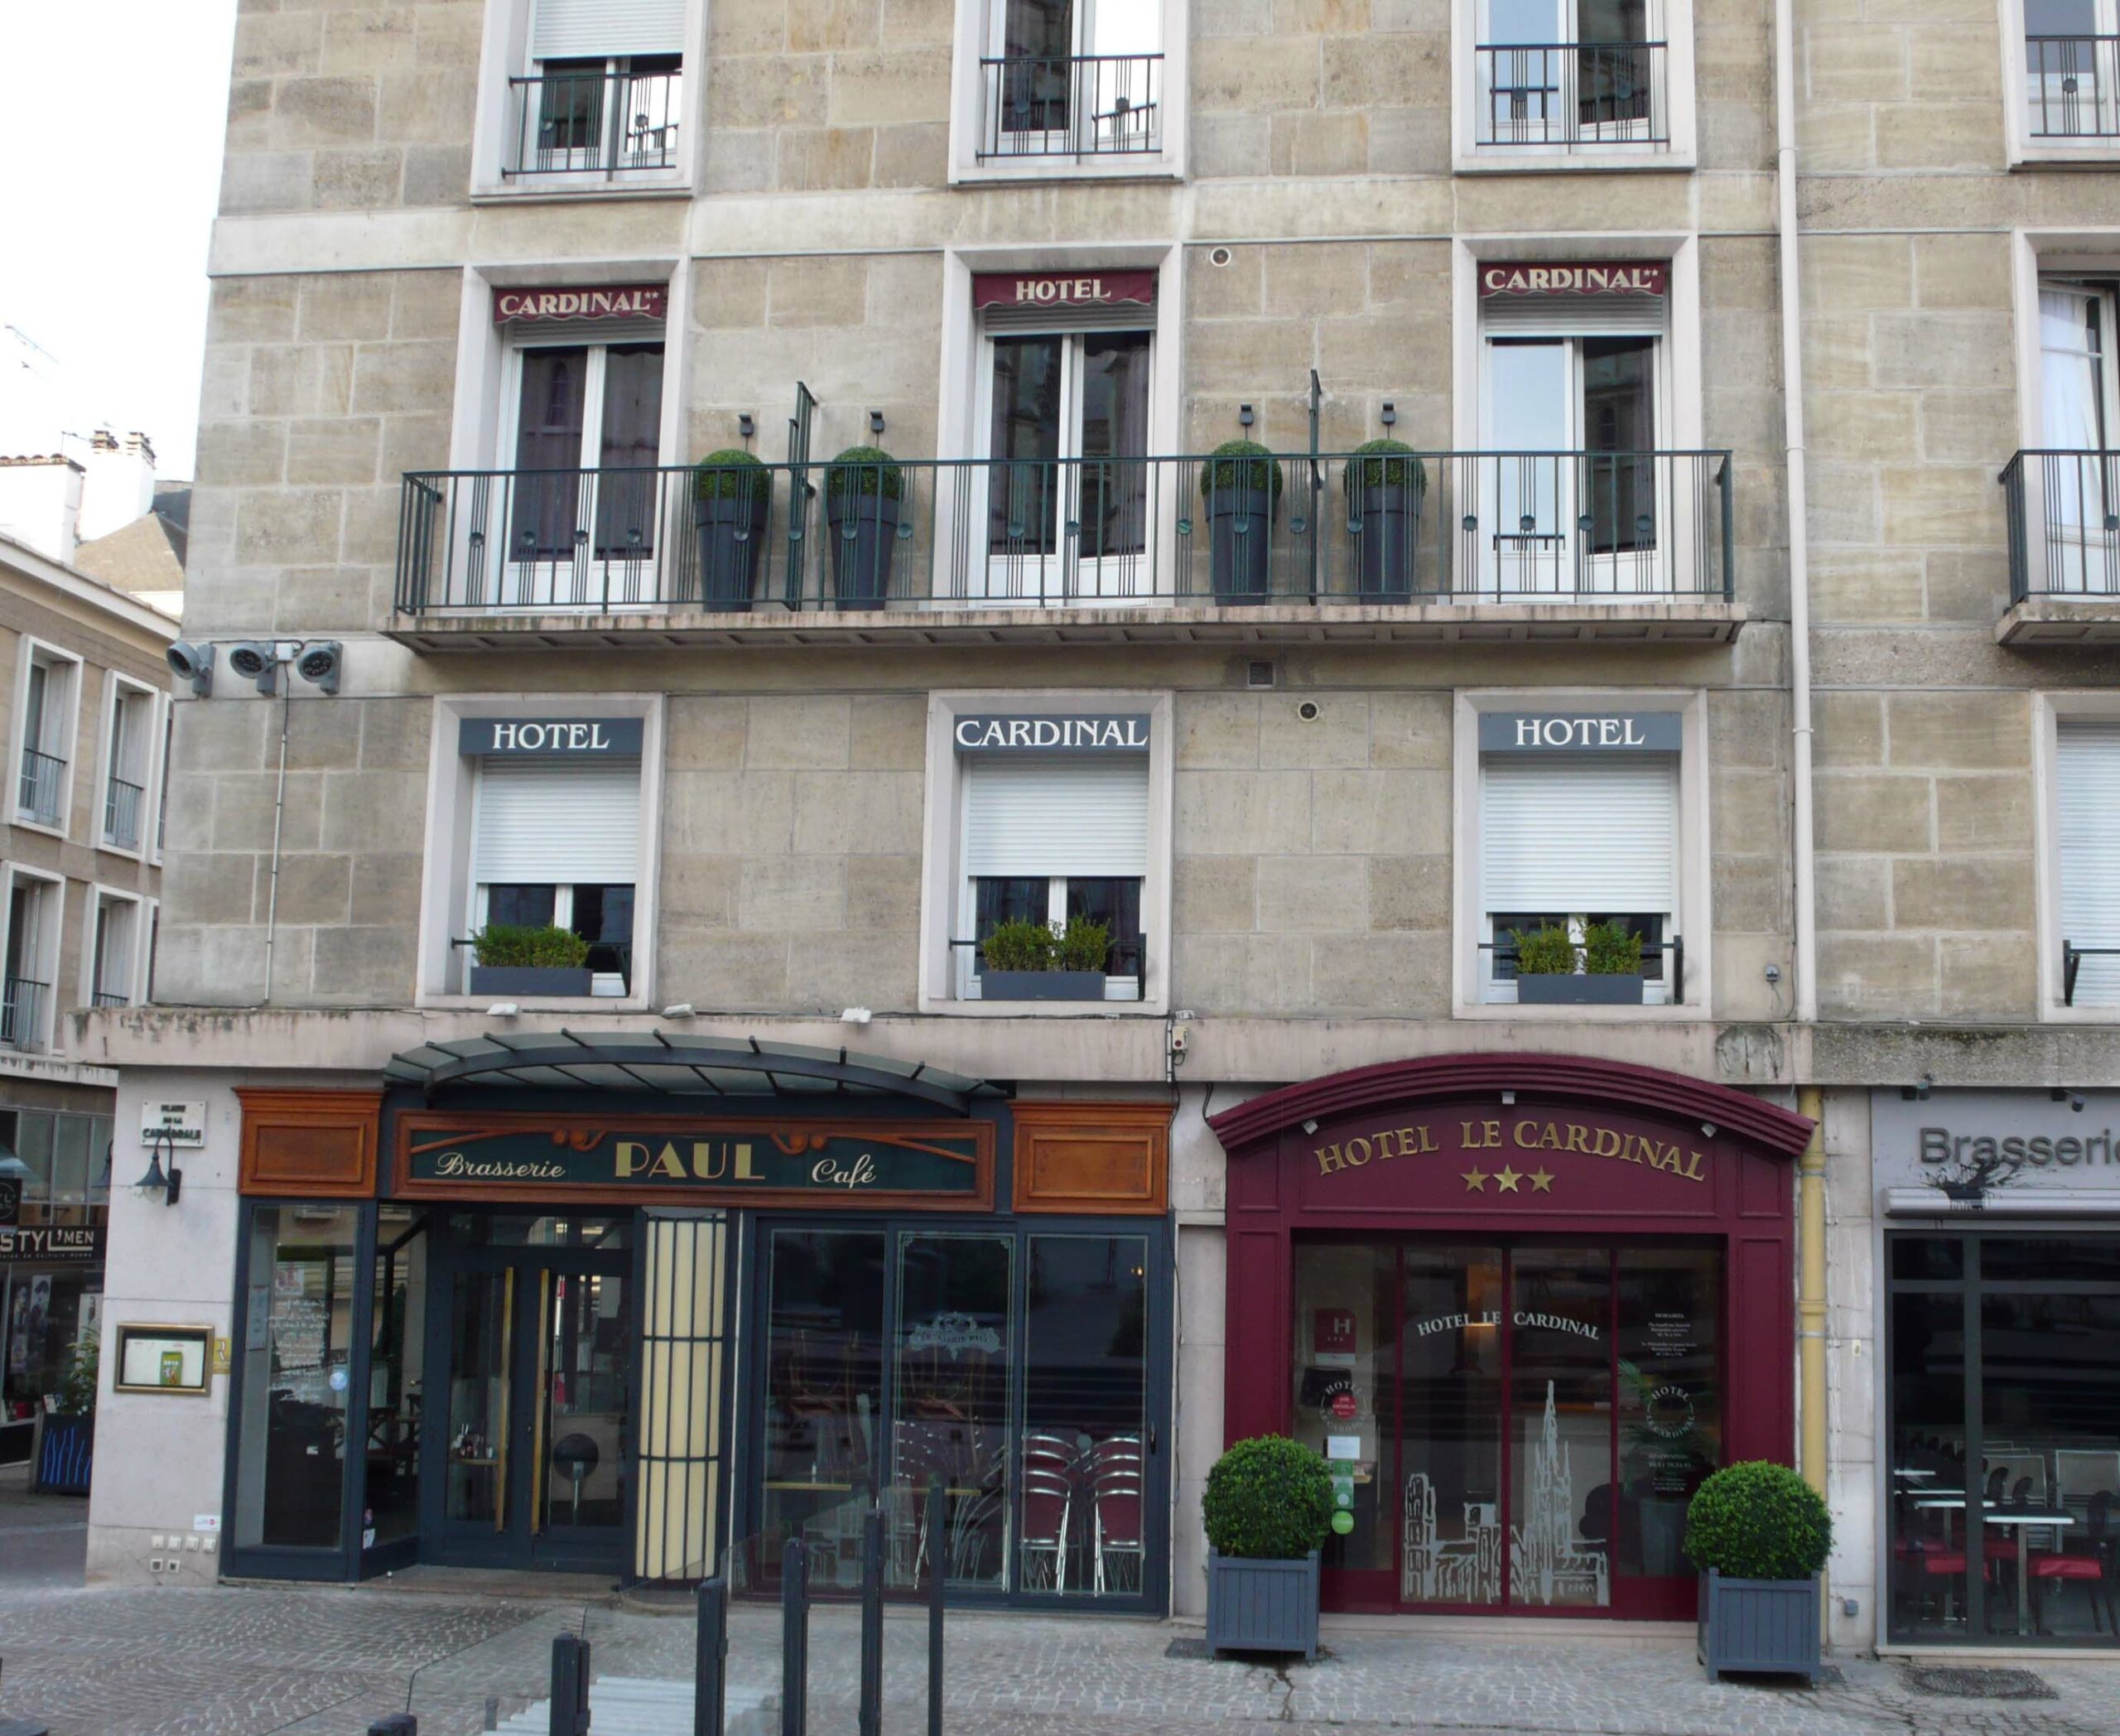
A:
[(1524, 1304)]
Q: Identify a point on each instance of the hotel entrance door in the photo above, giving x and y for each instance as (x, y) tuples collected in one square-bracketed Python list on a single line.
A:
[(1515, 1425), (532, 1464)]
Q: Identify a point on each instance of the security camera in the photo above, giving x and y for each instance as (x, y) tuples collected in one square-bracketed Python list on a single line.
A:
[(194, 664), (254, 660), (319, 662)]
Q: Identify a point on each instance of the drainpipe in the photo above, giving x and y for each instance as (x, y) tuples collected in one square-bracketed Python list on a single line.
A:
[(1805, 963), (279, 812), (1810, 1293)]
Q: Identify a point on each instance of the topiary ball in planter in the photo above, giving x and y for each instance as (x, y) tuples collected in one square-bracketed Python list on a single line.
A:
[(864, 488), (1384, 483), (516, 959), (732, 494), (1759, 1535), (1240, 484), (1268, 1509)]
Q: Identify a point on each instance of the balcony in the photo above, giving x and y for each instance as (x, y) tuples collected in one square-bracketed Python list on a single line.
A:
[(606, 124), (121, 813), (1416, 546), (2063, 514), (44, 777), (1572, 95), (1070, 106), (2072, 90)]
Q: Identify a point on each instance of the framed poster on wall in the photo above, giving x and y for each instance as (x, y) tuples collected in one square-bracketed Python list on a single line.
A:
[(166, 1359)]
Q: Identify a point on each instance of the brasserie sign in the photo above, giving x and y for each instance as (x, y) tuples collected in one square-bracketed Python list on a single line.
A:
[(826, 1165)]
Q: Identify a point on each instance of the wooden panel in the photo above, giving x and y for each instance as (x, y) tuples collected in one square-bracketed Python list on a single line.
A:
[(1093, 1158), (309, 1145)]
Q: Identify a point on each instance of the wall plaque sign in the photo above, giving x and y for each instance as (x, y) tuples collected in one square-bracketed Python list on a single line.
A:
[(572, 738), (172, 1360), (73, 1243), (1061, 289), (1580, 732), (1089, 732), (819, 1164), (1604, 277), (545, 307)]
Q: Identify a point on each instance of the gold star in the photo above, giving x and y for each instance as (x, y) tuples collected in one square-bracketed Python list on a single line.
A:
[(1476, 1180), (1542, 1181), (1508, 1179)]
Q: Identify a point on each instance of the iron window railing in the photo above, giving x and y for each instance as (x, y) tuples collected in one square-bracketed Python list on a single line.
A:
[(1071, 105), (121, 812), (1573, 93), (1503, 967), (2062, 511), (21, 1013), (1127, 960), (110, 997), (2072, 961), (2072, 86), (1463, 528), (592, 123), (43, 776)]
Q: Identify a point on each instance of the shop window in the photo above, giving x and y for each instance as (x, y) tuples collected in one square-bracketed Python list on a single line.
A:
[(1066, 87), (52, 1322), (44, 725), (2087, 780)]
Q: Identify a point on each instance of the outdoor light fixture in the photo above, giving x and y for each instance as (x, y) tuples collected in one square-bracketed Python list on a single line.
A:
[(502, 1009), (855, 1015), (1310, 1126), (1707, 1129), (194, 664), (678, 1010), (746, 425), (258, 661), (1918, 1091), (319, 662), (1509, 1100), (876, 423), (2074, 1099), (166, 1182)]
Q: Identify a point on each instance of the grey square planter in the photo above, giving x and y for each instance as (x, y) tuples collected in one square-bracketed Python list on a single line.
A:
[(1568, 989), (1262, 1606), (1041, 986), (1770, 1626), (525, 979)]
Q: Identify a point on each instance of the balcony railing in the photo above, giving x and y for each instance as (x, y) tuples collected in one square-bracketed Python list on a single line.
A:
[(2072, 86), (1462, 528), (111, 997), (592, 123), (121, 813), (1573, 93), (21, 1013), (1071, 105), (2063, 510), (43, 777)]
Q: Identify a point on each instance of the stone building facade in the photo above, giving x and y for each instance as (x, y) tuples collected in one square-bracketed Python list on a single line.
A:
[(1553, 268)]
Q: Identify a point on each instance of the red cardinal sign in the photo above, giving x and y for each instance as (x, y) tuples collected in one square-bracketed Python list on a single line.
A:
[(624, 301)]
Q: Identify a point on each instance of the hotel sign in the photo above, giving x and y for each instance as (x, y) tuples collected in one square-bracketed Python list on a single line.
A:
[(1061, 289), (829, 1166), (1619, 277), (549, 307), (574, 738), (1583, 732), (1082, 733)]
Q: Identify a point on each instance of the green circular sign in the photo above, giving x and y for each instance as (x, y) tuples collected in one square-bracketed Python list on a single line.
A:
[(1343, 1522)]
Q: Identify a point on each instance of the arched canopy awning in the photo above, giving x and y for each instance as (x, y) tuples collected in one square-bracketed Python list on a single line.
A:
[(1620, 1084), (676, 1066)]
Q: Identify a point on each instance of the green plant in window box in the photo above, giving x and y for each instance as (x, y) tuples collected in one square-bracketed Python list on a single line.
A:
[(1033, 960), (1759, 1536), (1082, 945), (1545, 950), (519, 945), (1612, 949)]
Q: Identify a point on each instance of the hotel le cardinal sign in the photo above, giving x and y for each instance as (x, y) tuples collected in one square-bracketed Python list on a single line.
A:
[(821, 1164)]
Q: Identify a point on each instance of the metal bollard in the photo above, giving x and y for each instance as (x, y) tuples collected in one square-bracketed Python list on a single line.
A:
[(492, 1712), (794, 1638), (395, 1724), (710, 1658), (870, 1717), (570, 1686), (938, 1579)]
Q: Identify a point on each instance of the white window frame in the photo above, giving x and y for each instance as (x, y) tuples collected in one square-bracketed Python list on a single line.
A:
[(447, 889), (2023, 149), (1693, 921), (54, 657), (53, 921), (505, 53), (2049, 713), (164, 724), (1470, 157), (971, 42), (101, 897), (942, 877), (117, 687)]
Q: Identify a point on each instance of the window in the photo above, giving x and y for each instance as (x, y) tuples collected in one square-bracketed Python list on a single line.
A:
[(130, 745), (64, 1155), (113, 951), (2071, 59), (2087, 810), (1547, 82), (32, 959), (1068, 87), (46, 731), (2070, 488), (600, 97)]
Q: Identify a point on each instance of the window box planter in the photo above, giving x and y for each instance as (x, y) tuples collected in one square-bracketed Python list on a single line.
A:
[(539, 979), (1041, 986), (1574, 988), (1770, 1626), (863, 531), (1262, 1606), (731, 540), (64, 1453)]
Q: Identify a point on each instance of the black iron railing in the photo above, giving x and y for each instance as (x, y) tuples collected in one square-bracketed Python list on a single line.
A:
[(2072, 960), (110, 997), (2072, 86), (1573, 93), (1469, 528), (592, 123), (43, 776), (1127, 960), (121, 813), (2063, 514), (1072, 105), (22, 1012)]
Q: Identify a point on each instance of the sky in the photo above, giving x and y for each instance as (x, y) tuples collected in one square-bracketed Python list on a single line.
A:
[(109, 182)]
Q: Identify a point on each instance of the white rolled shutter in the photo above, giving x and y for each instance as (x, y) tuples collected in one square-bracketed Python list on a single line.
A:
[(1573, 317), (560, 822), (1053, 817), (573, 30), (1588, 833), (2088, 768)]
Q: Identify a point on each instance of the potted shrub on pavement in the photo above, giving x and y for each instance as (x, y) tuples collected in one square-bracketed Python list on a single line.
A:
[(1033, 960), (863, 489), (1546, 957), (731, 494), (512, 959), (1758, 1535), (1241, 484), (63, 1452), (1268, 1508), (1385, 485)]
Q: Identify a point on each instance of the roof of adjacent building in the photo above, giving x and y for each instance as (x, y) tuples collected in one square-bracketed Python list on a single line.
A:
[(146, 555)]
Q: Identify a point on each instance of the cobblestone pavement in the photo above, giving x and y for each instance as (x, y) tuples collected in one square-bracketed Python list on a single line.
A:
[(42, 1537), (250, 1661)]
